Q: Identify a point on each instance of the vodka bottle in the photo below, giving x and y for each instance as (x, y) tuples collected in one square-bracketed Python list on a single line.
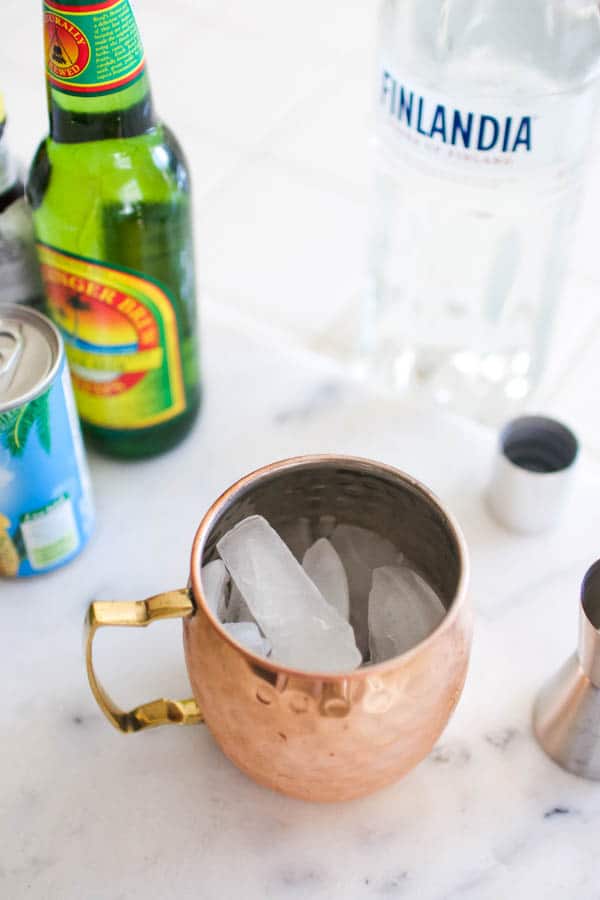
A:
[(484, 114)]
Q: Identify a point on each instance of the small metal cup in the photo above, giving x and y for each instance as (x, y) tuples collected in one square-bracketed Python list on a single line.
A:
[(566, 716), (318, 736), (532, 473)]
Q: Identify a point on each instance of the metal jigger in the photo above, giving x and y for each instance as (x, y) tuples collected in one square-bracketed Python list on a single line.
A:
[(566, 716), (532, 474)]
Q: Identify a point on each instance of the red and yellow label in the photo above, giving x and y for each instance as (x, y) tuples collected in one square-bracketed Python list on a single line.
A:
[(91, 47), (121, 340), (67, 48)]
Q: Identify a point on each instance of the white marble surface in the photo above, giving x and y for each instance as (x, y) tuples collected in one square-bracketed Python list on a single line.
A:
[(89, 813), (276, 135)]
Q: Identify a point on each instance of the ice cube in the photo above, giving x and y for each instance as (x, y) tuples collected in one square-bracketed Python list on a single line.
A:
[(215, 582), (297, 535), (362, 551), (304, 630), (403, 610), (237, 608), (248, 635), (324, 567)]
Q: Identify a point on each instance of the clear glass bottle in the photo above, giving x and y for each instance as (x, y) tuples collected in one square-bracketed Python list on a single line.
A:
[(484, 116), (19, 270)]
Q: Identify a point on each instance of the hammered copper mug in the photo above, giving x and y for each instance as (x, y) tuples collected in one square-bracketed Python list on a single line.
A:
[(313, 735)]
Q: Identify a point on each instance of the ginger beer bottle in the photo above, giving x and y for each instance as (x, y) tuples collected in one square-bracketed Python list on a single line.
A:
[(111, 197)]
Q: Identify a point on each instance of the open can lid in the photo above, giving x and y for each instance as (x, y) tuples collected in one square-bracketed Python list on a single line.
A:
[(30, 351)]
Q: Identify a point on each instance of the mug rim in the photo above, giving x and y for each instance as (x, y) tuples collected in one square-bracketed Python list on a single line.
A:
[(238, 488)]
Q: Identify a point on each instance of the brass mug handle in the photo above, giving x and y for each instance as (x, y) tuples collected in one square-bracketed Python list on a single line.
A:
[(139, 614)]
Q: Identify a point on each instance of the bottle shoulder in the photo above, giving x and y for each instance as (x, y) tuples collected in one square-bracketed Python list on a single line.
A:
[(491, 47), (150, 166), (11, 195)]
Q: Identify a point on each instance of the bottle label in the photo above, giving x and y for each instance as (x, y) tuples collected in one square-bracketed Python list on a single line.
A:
[(478, 135), (120, 333), (91, 47)]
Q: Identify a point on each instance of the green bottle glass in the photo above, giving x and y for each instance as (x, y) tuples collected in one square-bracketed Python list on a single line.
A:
[(110, 191)]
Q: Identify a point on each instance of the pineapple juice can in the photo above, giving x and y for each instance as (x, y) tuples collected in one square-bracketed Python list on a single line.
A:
[(46, 509)]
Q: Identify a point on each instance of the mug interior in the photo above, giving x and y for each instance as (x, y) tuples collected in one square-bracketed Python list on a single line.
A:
[(354, 492)]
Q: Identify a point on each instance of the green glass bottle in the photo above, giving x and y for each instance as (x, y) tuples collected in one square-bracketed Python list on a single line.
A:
[(110, 192)]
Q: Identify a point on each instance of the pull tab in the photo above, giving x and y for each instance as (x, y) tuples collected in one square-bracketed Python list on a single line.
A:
[(11, 348)]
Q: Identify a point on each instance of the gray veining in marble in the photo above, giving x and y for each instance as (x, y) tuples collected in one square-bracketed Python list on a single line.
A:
[(277, 140)]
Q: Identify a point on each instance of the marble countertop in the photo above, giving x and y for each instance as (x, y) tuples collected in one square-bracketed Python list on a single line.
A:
[(272, 106), (87, 812)]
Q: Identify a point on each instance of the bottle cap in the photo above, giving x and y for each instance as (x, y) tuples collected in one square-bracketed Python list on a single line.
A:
[(532, 472)]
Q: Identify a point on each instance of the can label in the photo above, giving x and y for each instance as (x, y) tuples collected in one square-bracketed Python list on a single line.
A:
[(91, 47), (121, 339), (49, 533), (46, 513)]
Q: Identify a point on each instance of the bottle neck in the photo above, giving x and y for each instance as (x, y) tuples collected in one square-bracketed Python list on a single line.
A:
[(98, 87), (77, 119)]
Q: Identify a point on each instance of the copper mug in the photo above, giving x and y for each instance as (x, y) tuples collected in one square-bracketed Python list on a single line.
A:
[(320, 737)]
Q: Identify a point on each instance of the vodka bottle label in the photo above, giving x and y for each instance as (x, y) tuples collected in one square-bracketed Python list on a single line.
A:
[(480, 136)]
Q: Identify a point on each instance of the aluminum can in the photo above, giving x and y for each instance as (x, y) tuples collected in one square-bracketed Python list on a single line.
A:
[(46, 507)]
